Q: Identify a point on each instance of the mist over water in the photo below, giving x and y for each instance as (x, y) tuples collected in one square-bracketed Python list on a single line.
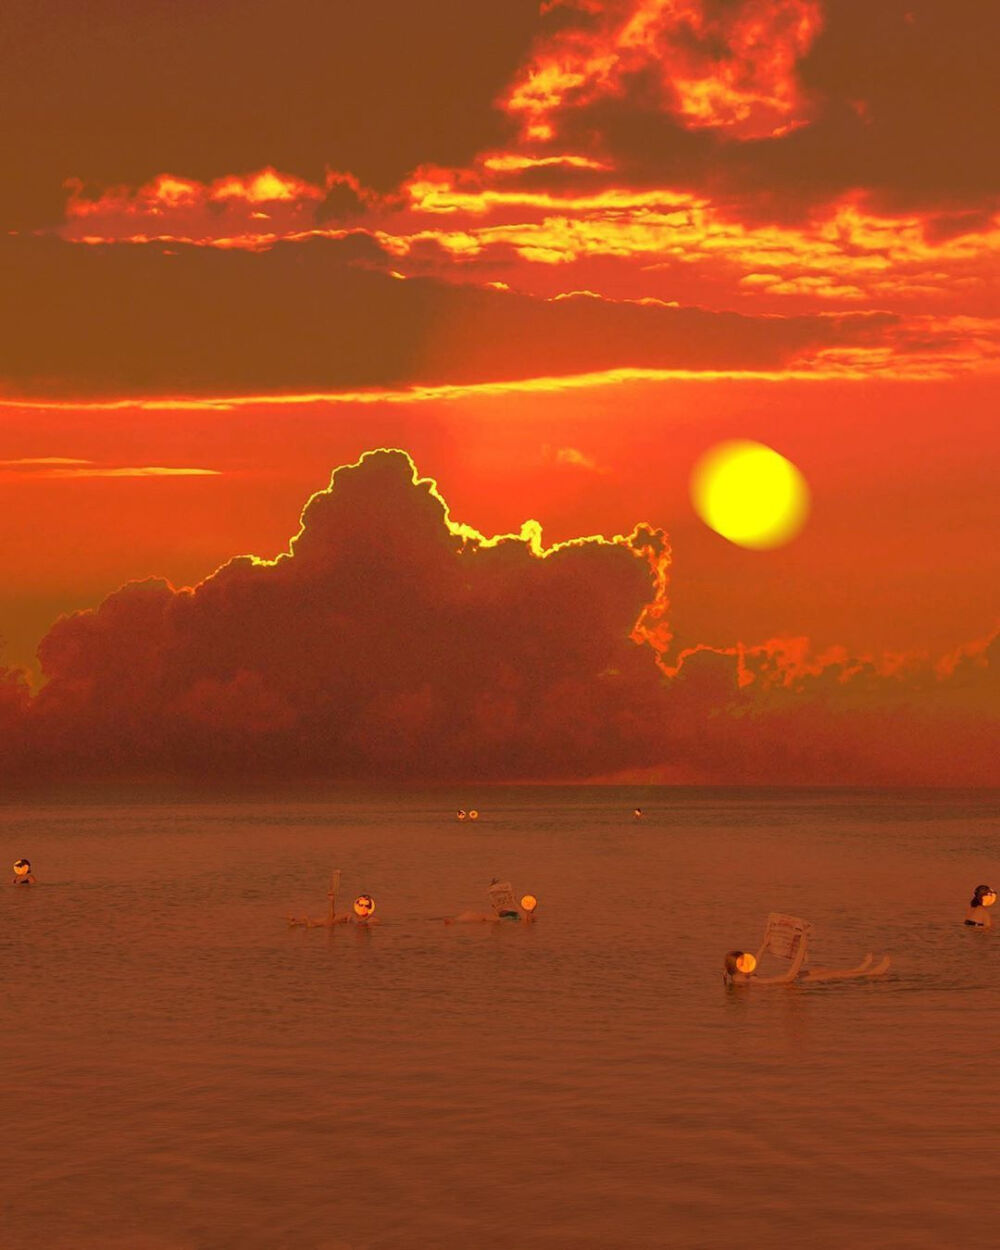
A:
[(183, 1071)]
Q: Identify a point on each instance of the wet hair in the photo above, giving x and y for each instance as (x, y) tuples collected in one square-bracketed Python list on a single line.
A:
[(977, 898), (23, 863), (731, 959)]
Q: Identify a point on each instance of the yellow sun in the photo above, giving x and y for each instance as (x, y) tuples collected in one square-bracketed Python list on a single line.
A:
[(749, 494)]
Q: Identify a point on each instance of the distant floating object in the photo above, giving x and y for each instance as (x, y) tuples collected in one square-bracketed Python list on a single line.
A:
[(637, 813), (746, 963), (473, 814), (364, 905)]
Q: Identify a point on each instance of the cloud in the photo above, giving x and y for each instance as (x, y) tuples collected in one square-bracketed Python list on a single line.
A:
[(902, 101), (497, 225), (117, 94), (69, 468), (388, 639), (711, 65), (572, 457), (306, 318), (391, 642)]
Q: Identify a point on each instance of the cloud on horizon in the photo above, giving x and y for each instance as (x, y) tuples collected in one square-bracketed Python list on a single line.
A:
[(391, 643)]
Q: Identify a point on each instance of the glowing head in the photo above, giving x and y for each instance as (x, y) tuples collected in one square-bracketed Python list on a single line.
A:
[(22, 867), (749, 494), (364, 905), (739, 961), (529, 902)]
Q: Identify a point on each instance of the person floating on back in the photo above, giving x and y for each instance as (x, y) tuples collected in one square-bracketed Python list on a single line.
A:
[(786, 938), (22, 873), (364, 905), (504, 907), (977, 917)]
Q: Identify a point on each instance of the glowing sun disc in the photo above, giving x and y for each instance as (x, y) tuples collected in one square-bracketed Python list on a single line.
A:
[(749, 494)]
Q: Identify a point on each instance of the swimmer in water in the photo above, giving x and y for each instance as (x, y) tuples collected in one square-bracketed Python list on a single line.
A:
[(740, 968), (977, 917), (327, 922), (786, 937), (364, 905), (501, 898), (324, 922), (22, 873)]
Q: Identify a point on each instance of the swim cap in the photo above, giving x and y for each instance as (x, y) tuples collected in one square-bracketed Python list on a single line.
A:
[(364, 905), (22, 867)]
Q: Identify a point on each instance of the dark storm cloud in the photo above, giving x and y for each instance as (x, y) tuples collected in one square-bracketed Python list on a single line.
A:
[(117, 93), (389, 646), (135, 320)]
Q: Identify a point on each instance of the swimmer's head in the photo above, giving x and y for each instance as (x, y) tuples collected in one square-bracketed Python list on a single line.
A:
[(739, 962), (364, 905), (22, 867), (983, 897), (461, 814), (529, 903)]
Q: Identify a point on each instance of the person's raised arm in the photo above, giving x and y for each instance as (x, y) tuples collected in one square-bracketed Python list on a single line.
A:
[(794, 968)]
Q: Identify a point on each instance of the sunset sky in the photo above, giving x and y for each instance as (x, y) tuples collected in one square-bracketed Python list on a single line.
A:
[(553, 254)]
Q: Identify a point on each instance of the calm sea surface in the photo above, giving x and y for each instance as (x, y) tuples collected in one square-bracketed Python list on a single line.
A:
[(182, 1071)]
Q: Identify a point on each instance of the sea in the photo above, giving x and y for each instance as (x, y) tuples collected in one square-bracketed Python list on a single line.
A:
[(181, 1069)]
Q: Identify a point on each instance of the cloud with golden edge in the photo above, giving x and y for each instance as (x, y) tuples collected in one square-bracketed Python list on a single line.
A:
[(731, 68), (68, 468), (390, 641)]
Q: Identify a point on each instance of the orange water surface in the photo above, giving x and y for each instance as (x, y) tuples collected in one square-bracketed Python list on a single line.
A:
[(182, 1071)]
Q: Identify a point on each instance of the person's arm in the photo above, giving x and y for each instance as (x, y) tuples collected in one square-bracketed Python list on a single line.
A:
[(795, 967)]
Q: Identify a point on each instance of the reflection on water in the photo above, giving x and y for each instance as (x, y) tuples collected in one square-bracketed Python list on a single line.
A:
[(182, 1071)]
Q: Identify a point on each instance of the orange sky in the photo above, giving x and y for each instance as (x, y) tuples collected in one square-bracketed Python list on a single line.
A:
[(555, 256)]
